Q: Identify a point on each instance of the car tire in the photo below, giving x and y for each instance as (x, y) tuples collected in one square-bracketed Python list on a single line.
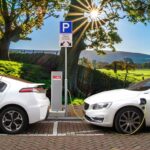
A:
[(128, 120), (13, 120)]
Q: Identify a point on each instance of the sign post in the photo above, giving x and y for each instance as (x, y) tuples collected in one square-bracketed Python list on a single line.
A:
[(65, 40)]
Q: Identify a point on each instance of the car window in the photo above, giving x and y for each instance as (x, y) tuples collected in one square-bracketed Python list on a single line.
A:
[(2, 86), (141, 86), (147, 84)]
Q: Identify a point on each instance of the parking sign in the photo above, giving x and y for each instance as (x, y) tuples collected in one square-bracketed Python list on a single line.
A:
[(65, 37), (66, 27)]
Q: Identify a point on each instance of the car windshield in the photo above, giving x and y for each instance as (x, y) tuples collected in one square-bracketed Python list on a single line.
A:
[(141, 86)]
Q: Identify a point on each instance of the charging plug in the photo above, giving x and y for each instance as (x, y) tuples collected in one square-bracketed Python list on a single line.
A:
[(143, 101)]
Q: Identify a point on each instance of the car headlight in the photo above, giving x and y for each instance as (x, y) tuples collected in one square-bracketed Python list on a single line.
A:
[(101, 105)]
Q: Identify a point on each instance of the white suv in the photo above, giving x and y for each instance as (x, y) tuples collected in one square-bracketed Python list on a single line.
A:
[(21, 103)]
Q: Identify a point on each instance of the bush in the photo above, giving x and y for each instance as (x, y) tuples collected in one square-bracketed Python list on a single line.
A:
[(25, 71), (77, 101), (93, 81), (11, 68), (49, 61)]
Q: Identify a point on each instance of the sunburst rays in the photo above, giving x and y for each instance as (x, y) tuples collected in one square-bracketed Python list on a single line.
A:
[(82, 34), (75, 14), (88, 4), (88, 15), (78, 19), (84, 5), (79, 8), (79, 27)]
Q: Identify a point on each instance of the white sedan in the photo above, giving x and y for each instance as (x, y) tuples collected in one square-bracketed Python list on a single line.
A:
[(21, 103), (124, 109)]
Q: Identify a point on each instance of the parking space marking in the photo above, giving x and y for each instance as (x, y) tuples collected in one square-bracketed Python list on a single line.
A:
[(54, 130), (61, 121), (3, 134), (83, 132), (55, 127), (51, 135)]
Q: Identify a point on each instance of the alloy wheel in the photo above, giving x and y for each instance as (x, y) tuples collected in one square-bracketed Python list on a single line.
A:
[(12, 121), (129, 121)]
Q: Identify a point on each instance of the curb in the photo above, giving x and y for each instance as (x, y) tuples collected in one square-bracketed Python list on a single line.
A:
[(63, 119)]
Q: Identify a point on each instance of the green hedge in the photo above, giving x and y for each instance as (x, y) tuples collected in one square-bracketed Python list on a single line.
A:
[(77, 101), (25, 71), (45, 60), (93, 81)]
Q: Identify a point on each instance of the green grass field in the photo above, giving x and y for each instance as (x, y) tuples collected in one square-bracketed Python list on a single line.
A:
[(133, 75)]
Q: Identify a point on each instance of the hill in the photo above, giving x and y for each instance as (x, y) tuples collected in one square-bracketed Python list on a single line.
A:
[(112, 56)]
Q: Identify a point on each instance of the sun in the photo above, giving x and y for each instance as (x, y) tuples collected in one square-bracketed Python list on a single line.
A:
[(89, 14), (94, 14)]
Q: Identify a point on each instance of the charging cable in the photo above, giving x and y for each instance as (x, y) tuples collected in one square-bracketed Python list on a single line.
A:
[(74, 110), (144, 113)]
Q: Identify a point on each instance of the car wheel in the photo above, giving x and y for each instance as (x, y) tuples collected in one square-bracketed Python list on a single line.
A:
[(13, 120), (128, 120)]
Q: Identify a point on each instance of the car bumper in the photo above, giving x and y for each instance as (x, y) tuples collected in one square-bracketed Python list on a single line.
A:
[(101, 118), (39, 112)]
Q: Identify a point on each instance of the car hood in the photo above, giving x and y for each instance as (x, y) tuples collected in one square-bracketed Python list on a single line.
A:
[(113, 95)]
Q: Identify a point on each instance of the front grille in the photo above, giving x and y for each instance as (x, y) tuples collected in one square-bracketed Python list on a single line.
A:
[(86, 106), (87, 118), (95, 119)]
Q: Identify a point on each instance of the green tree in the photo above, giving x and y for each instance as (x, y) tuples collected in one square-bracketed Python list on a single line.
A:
[(128, 64), (86, 63), (101, 34), (115, 66), (19, 17)]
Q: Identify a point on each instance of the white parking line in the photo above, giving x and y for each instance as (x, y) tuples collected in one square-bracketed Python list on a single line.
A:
[(52, 121), (55, 127), (55, 132), (50, 135), (84, 132), (71, 134), (3, 134)]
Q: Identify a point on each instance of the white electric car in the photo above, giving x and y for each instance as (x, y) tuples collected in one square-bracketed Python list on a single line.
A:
[(124, 109), (21, 103)]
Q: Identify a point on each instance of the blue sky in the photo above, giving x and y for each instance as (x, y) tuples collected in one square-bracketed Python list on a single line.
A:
[(136, 37)]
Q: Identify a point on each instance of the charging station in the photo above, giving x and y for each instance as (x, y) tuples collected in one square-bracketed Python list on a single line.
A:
[(56, 91), (65, 41), (56, 94)]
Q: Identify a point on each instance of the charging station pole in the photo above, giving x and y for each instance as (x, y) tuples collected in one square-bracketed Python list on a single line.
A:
[(65, 41), (66, 82)]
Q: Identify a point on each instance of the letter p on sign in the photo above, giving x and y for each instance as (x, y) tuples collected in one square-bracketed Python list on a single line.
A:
[(66, 27)]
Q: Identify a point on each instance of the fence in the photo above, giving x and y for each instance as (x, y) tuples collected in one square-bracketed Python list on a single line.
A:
[(25, 51)]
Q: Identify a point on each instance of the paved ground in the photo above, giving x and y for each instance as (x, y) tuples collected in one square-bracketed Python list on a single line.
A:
[(75, 136), (106, 142)]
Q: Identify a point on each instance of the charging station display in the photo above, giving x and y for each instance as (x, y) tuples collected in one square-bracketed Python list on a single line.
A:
[(56, 91)]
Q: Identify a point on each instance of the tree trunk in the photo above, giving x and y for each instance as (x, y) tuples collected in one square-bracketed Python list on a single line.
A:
[(4, 49), (73, 57)]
